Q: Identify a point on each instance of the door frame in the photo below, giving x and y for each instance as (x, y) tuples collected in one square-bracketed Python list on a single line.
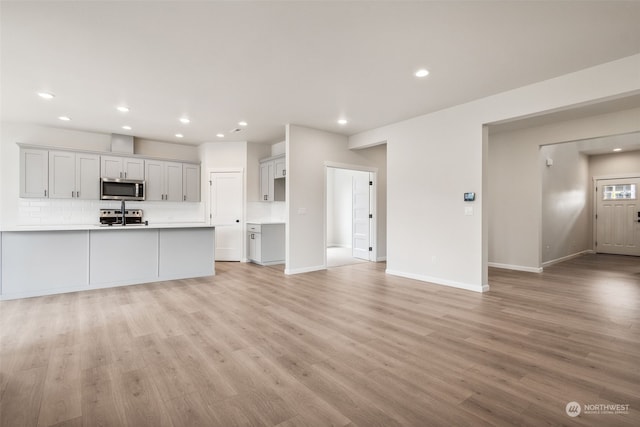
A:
[(207, 207), (373, 173), (594, 205)]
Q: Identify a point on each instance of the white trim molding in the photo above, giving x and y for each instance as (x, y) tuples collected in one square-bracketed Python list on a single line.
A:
[(289, 271), (440, 282), (567, 258), (515, 267)]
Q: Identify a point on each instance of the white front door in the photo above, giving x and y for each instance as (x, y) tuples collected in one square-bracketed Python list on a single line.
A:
[(361, 220), (226, 213), (618, 216)]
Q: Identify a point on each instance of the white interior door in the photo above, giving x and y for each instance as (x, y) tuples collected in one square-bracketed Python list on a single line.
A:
[(618, 216), (361, 229), (226, 213)]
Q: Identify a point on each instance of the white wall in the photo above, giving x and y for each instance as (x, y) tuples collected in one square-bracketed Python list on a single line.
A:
[(221, 156), (615, 164), (307, 151), (166, 150), (16, 211), (435, 158), (565, 207)]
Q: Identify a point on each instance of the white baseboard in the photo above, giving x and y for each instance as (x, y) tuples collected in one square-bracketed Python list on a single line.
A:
[(381, 259), (515, 267), (304, 270), (439, 281), (567, 258)]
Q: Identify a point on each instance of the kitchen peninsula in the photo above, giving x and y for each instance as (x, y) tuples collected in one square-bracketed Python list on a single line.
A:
[(45, 260)]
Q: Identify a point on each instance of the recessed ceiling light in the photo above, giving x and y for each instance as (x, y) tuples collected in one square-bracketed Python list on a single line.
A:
[(342, 121), (220, 135), (617, 149), (185, 120), (179, 135), (242, 123), (64, 118), (123, 109), (126, 127), (46, 95), (422, 72)]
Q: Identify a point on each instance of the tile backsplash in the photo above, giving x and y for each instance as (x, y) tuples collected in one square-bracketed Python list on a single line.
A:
[(266, 211), (81, 212)]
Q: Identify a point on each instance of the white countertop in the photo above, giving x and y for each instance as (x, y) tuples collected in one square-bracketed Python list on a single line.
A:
[(96, 227), (265, 222)]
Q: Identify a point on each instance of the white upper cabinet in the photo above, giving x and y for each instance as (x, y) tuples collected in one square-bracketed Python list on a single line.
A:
[(70, 174), (272, 188), (62, 175), (280, 164), (173, 181), (266, 181), (122, 167), (190, 183), (74, 175), (87, 176), (163, 181), (34, 173), (154, 177)]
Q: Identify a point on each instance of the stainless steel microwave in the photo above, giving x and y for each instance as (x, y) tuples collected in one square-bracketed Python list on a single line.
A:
[(121, 189)]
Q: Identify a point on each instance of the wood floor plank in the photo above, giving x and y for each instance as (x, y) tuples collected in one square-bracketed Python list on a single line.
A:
[(350, 346), (62, 394), (21, 400)]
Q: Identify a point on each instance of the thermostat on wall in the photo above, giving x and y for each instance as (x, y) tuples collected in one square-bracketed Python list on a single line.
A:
[(469, 197)]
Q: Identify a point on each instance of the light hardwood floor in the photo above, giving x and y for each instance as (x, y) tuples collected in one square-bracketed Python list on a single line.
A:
[(349, 346)]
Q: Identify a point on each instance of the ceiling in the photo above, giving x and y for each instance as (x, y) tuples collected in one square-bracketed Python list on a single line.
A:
[(273, 63)]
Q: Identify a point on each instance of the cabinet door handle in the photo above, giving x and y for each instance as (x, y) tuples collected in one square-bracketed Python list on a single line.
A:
[(125, 174), (72, 194), (184, 198), (45, 193), (77, 194), (284, 172)]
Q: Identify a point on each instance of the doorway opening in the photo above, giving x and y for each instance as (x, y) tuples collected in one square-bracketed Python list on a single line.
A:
[(350, 216)]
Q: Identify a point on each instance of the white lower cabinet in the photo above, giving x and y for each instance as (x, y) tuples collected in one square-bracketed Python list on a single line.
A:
[(37, 263), (265, 243), (34, 263)]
